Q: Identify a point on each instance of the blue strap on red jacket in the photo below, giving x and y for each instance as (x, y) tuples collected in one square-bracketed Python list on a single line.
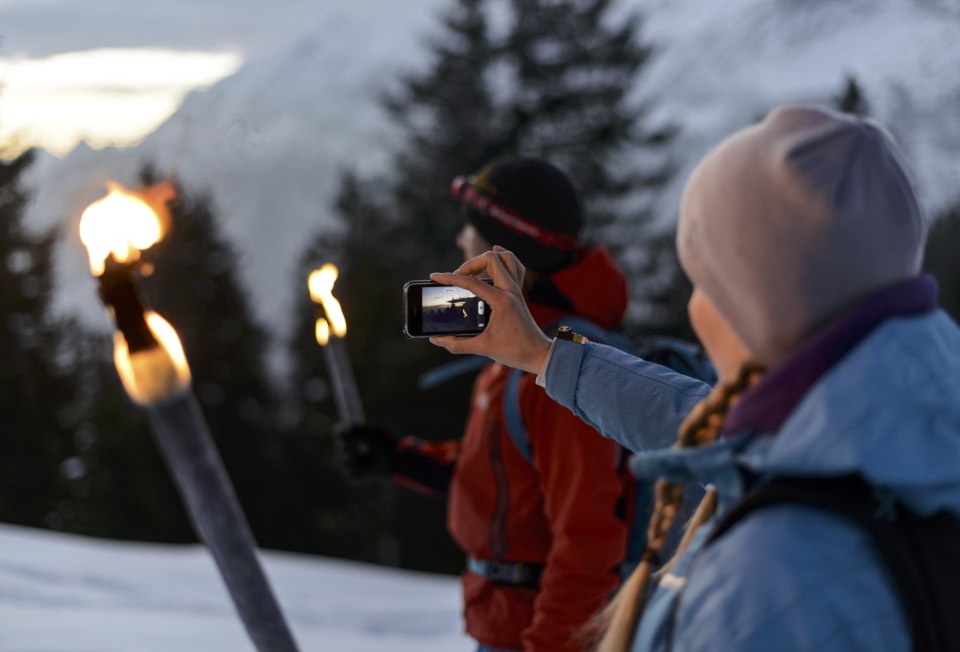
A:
[(683, 357)]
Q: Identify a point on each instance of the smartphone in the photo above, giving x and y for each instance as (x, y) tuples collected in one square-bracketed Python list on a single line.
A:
[(434, 309)]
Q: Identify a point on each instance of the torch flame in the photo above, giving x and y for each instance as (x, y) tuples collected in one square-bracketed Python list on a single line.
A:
[(322, 331), (321, 291), (157, 373), (123, 223)]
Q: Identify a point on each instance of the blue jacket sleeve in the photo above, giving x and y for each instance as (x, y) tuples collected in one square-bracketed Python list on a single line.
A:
[(637, 403)]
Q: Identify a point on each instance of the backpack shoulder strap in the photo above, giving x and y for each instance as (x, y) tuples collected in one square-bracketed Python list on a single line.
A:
[(450, 370), (922, 554), (682, 356), (512, 417)]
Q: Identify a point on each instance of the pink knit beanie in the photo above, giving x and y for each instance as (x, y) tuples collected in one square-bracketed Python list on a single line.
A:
[(787, 222)]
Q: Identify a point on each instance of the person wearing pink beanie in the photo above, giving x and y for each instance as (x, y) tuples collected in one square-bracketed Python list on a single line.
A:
[(803, 238), (787, 222)]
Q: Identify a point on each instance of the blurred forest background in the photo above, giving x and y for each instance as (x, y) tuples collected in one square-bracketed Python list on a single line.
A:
[(77, 456)]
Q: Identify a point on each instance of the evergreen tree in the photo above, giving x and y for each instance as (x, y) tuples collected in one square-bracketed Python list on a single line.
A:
[(121, 488), (449, 121), (554, 82), (365, 521), (851, 99), (666, 291), (35, 443), (572, 69), (941, 259), (194, 285), (75, 455)]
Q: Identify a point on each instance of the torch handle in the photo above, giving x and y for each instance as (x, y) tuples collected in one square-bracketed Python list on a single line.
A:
[(345, 392), (184, 439)]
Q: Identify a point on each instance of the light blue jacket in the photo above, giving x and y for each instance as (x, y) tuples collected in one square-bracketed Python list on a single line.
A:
[(788, 578)]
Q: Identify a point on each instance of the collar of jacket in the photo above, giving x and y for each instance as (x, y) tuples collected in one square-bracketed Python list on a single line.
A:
[(765, 406), (594, 287), (887, 411), (716, 464)]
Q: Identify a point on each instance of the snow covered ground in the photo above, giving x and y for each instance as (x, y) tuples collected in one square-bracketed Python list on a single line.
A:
[(64, 593)]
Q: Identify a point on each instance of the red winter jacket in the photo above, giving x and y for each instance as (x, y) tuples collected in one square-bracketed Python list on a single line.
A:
[(561, 511)]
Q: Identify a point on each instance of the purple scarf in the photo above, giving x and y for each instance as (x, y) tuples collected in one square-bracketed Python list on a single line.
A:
[(765, 406)]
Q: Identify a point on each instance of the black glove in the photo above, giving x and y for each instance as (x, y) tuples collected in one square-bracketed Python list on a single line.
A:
[(365, 451)]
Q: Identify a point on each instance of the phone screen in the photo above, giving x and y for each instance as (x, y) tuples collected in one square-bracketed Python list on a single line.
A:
[(434, 309)]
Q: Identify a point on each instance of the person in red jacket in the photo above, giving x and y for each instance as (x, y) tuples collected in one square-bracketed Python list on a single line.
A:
[(544, 539)]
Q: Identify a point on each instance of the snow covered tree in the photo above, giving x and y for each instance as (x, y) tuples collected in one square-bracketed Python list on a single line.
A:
[(544, 78)]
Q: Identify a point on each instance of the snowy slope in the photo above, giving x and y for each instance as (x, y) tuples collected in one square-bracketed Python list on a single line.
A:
[(63, 593), (270, 140), (722, 65), (269, 143)]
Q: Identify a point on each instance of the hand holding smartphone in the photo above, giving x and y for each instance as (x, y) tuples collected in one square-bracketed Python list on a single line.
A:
[(435, 309), (511, 337)]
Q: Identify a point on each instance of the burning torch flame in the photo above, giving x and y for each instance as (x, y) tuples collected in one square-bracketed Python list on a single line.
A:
[(321, 291), (123, 224), (323, 331), (157, 373)]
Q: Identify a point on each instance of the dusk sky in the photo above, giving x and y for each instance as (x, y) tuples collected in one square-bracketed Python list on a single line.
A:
[(442, 296), (109, 71)]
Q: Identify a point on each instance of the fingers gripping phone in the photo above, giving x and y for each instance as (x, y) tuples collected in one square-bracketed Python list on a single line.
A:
[(434, 309)]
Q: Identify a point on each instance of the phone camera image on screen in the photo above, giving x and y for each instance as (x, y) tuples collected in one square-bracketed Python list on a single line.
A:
[(432, 308), (449, 309)]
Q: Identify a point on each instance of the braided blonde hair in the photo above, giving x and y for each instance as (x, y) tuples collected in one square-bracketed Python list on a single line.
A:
[(618, 621)]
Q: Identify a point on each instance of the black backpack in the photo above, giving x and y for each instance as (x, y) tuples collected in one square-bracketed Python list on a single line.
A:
[(921, 554)]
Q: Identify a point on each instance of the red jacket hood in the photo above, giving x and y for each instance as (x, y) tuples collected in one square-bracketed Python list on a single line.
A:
[(594, 286)]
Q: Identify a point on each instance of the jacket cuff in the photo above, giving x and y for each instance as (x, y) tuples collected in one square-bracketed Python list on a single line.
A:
[(562, 371), (542, 374)]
